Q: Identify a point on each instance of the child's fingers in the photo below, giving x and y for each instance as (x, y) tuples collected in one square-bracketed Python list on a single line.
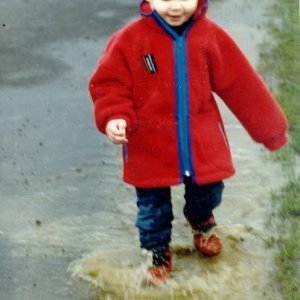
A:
[(116, 131), (116, 138), (121, 127), (120, 131)]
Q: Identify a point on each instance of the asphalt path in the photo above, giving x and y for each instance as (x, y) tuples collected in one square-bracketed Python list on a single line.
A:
[(52, 159)]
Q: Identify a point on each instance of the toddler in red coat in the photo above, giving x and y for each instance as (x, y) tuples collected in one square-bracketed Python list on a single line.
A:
[(153, 93)]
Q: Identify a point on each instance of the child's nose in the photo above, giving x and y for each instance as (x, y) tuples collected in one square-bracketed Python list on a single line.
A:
[(175, 5)]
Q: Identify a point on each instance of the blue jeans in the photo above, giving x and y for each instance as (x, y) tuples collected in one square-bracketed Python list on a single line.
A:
[(155, 215)]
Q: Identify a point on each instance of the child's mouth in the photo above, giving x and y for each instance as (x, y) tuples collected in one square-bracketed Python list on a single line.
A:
[(174, 18)]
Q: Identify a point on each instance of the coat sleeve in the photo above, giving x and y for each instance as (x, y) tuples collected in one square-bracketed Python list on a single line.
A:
[(244, 92), (111, 88)]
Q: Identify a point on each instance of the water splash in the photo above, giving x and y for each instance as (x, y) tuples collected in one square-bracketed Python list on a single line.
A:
[(241, 271)]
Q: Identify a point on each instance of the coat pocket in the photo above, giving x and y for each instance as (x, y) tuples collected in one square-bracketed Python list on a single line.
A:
[(211, 143), (221, 128)]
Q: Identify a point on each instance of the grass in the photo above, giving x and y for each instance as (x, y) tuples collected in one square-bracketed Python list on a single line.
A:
[(280, 66), (287, 224), (281, 63)]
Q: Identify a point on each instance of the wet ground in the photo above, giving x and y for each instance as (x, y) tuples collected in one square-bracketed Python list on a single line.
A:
[(60, 192)]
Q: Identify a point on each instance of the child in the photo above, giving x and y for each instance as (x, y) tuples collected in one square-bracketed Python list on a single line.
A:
[(152, 93)]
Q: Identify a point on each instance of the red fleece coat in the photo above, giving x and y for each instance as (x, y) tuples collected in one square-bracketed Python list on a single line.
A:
[(139, 79)]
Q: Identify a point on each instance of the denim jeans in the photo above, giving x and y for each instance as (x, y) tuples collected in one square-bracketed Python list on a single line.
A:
[(155, 215)]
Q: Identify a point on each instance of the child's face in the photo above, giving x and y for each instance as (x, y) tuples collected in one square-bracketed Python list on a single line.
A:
[(174, 12)]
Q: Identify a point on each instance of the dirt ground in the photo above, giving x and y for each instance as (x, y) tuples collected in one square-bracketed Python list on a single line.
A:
[(60, 189)]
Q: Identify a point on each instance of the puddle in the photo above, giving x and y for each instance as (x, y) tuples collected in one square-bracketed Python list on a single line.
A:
[(242, 271)]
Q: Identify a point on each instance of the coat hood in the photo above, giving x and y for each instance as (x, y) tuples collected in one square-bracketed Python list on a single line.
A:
[(146, 11)]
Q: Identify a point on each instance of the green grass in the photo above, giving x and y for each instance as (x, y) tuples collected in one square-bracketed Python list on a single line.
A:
[(280, 66), (287, 202), (281, 63)]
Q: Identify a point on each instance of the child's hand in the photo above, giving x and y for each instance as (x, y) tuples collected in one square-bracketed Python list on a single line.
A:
[(116, 131)]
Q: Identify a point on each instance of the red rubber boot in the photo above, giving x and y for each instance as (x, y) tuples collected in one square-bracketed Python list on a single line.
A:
[(205, 243), (208, 245), (161, 269)]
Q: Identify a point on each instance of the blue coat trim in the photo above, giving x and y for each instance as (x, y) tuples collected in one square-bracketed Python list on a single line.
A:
[(182, 96)]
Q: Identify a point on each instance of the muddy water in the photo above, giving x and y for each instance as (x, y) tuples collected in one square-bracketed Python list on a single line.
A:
[(63, 209), (239, 272)]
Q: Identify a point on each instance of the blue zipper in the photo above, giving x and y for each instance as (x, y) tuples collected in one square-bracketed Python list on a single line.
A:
[(182, 110), (182, 98)]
